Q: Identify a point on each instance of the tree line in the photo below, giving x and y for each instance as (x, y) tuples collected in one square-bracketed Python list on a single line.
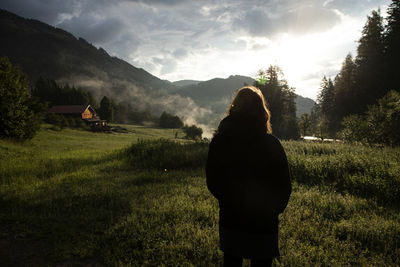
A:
[(362, 102)]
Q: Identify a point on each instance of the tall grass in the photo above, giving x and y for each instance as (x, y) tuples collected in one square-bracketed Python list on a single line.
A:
[(163, 154), (78, 198), (372, 173)]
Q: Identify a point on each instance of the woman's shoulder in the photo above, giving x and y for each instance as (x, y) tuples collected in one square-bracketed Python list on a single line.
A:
[(271, 139), (272, 142)]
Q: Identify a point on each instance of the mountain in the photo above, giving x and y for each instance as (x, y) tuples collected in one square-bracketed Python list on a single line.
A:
[(303, 105), (185, 82), (40, 49), (216, 94)]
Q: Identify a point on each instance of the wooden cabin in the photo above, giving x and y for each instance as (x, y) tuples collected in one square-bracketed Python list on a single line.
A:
[(85, 112)]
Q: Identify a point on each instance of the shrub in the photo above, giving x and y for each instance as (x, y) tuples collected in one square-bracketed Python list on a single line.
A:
[(192, 132), (169, 121), (381, 124)]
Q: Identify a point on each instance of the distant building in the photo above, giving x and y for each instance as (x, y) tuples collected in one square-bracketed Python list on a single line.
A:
[(85, 112)]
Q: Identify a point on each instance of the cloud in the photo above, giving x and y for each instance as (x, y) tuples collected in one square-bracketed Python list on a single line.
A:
[(44, 10), (297, 20), (94, 28), (159, 2), (203, 39), (353, 7), (180, 53)]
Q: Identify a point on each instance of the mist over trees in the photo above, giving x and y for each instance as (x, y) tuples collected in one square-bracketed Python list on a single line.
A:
[(280, 99), (359, 104), (48, 91)]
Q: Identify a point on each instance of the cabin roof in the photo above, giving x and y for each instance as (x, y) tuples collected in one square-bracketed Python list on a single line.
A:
[(70, 109)]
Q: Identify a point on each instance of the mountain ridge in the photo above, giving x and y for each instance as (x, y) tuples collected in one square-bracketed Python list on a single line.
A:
[(42, 50)]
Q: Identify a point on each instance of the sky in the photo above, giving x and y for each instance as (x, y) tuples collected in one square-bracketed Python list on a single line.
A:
[(205, 39)]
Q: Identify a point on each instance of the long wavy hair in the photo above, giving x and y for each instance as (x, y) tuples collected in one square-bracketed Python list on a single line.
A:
[(250, 102)]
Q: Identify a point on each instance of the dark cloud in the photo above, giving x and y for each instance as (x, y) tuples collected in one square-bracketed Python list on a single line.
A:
[(158, 2), (256, 22), (127, 44), (97, 30), (44, 10)]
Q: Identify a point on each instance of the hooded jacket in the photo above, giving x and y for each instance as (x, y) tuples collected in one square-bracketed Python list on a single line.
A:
[(247, 171)]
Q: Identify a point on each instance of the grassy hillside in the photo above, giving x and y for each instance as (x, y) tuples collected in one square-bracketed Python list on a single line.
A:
[(76, 197)]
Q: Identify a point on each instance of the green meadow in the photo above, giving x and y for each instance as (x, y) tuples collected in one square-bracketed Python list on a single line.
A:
[(74, 197)]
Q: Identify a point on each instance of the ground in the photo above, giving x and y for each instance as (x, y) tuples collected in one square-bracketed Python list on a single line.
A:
[(74, 197)]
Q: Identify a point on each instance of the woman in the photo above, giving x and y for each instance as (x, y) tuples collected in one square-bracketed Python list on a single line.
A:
[(247, 171)]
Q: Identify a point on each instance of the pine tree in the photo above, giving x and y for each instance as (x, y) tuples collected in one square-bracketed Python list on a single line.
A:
[(280, 99), (106, 110), (344, 91), (370, 61), (392, 43), (326, 100)]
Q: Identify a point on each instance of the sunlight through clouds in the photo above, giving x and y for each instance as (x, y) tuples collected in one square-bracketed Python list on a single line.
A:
[(201, 40)]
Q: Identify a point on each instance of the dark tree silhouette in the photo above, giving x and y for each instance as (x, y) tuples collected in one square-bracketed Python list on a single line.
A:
[(192, 132), (18, 119), (106, 110), (280, 99), (392, 43), (169, 121), (369, 61)]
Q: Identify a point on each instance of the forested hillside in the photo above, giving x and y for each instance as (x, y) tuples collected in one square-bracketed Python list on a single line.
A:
[(40, 49)]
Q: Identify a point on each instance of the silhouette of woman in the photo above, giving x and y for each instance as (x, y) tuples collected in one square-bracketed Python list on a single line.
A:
[(247, 171)]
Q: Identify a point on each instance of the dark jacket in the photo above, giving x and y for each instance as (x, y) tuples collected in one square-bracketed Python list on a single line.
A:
[(247, 171)]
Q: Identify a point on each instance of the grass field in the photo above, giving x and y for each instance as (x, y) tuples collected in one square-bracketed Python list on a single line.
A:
[(80, 198)]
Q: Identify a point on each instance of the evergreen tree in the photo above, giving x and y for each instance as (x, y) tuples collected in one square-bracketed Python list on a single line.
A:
[(326, 100), (280, 99), (369, 61), (344, 90), (106, 110), (48, 91), (315, 117), (18, 120), (392, 43)]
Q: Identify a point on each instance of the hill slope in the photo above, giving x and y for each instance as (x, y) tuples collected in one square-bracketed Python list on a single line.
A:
[(40, 49), (43, 50)]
